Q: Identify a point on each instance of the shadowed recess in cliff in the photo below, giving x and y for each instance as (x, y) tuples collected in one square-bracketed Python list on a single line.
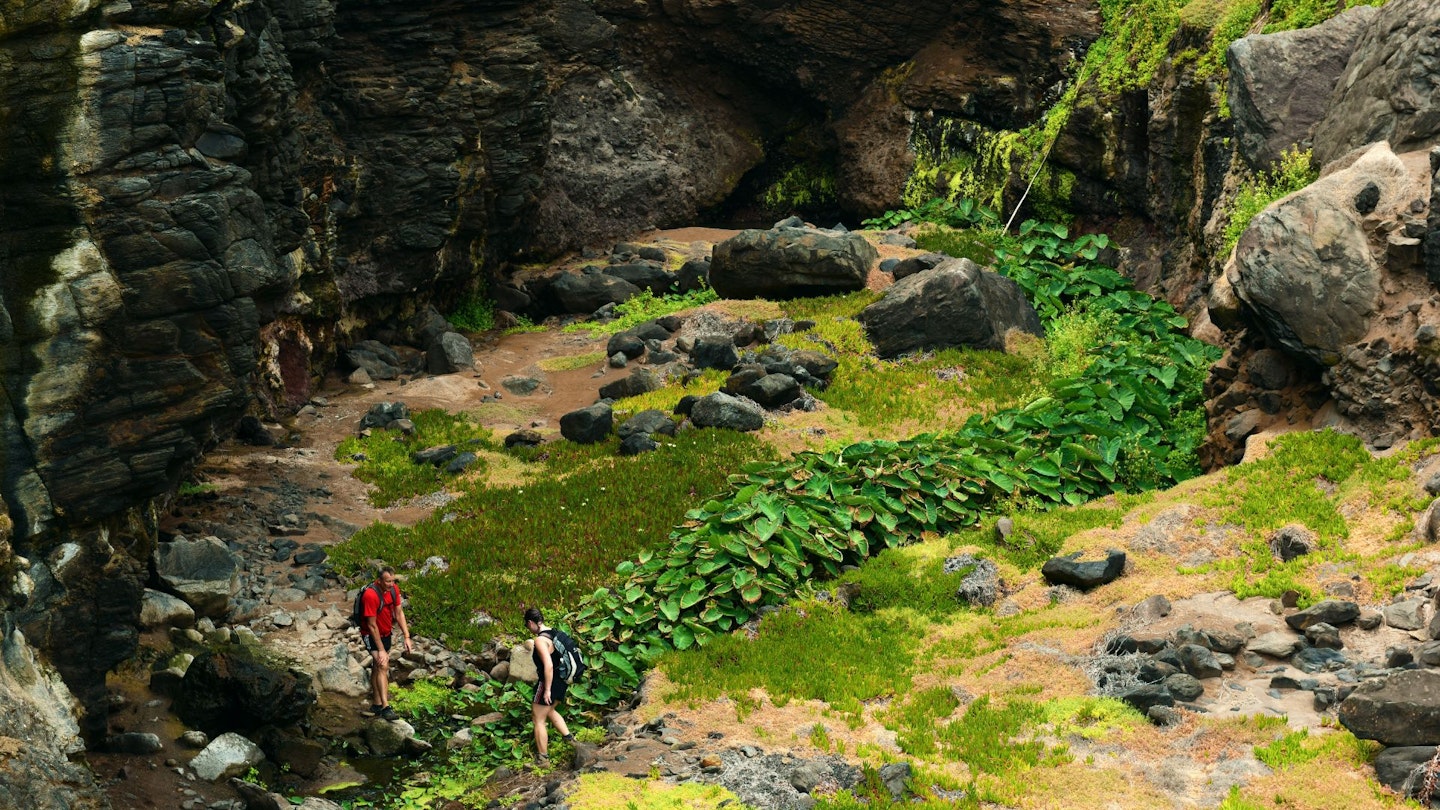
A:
[(38, 218)]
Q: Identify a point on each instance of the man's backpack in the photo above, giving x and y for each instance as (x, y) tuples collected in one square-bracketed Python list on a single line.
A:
[(569, 662), (357, 612)]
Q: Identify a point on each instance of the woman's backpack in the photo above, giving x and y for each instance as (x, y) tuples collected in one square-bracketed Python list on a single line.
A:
[(569, 662)]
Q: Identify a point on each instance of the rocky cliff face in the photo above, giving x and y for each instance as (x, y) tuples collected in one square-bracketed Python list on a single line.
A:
[(199, 201)]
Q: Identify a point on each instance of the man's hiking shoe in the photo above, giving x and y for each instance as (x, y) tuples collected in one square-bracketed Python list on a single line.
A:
[(542, 760), (374, 709), (389, 714)]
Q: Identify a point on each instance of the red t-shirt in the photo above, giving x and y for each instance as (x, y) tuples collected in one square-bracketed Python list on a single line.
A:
[(380, 604)]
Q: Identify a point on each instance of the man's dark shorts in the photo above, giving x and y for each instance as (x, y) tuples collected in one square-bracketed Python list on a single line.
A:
[(557, 693), (370, 642)]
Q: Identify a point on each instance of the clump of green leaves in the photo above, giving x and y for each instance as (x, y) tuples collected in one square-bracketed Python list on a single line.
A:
[(1292, 173), (474, 313), (800, 187), (963, 213)]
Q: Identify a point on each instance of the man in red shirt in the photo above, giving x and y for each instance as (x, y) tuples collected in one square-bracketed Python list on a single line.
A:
[(380, 605)]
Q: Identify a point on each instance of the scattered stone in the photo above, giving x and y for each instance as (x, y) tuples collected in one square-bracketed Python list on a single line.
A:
[(163, 610), (636, 444), (1398, 768), (587, 425), (204, 573), (1146, 695), (524, 438), (520, 385), (1407, 615), (639, 381), (1324, 636), (1068, 570), (1184, 687), (979, 587), (1151, 608), (724, 411), (228, 755), (134, 742), (1199, 661), (1292, 541), (1276, 644), (1330, 611)]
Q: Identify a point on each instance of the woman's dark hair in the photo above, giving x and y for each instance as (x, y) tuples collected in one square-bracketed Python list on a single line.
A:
[(534, 615)]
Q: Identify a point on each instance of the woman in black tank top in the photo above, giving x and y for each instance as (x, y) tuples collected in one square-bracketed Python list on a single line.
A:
[(549, 691)]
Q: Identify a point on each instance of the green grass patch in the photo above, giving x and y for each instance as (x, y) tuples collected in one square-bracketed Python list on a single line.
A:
[(474, 313), (1039, 534), (905, 578), (963, 243), (609, 791), (935, 389), (570, 362), (820, 651), (1307, 480), (550, 542), (646, 306), (386, 460), (666, 398)]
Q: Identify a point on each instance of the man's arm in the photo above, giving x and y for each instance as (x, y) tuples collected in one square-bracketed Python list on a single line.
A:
[(400, 619)]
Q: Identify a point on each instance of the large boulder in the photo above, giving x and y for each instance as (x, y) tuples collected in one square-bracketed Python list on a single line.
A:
[(1387, 92), (1403, 709), (1280, 84), (204, 573), (724, 411), (587, 425), (226, 756), (375, 358), (645, 275), (163, 610), (240, 687), (789, 262), (640, 381), (1304, 266), (1334, 612), (1070, 570), (954, 304), (448, 353), (587, 292), (1400, 769)]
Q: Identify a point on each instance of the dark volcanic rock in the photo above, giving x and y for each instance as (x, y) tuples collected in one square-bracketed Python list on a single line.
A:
[(955, 304), (790, 263), (1399, 768), (584, 293), (241, 688), (1403, 709), (638, 382), (587, 425), (1280, 84), (1069, 570), (724, 411), (1333, 612)]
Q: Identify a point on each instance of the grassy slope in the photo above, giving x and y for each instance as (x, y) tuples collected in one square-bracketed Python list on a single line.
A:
[(890, 667)]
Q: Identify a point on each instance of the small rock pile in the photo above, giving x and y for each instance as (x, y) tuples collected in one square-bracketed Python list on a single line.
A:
[(425, 344), (764, 376)]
